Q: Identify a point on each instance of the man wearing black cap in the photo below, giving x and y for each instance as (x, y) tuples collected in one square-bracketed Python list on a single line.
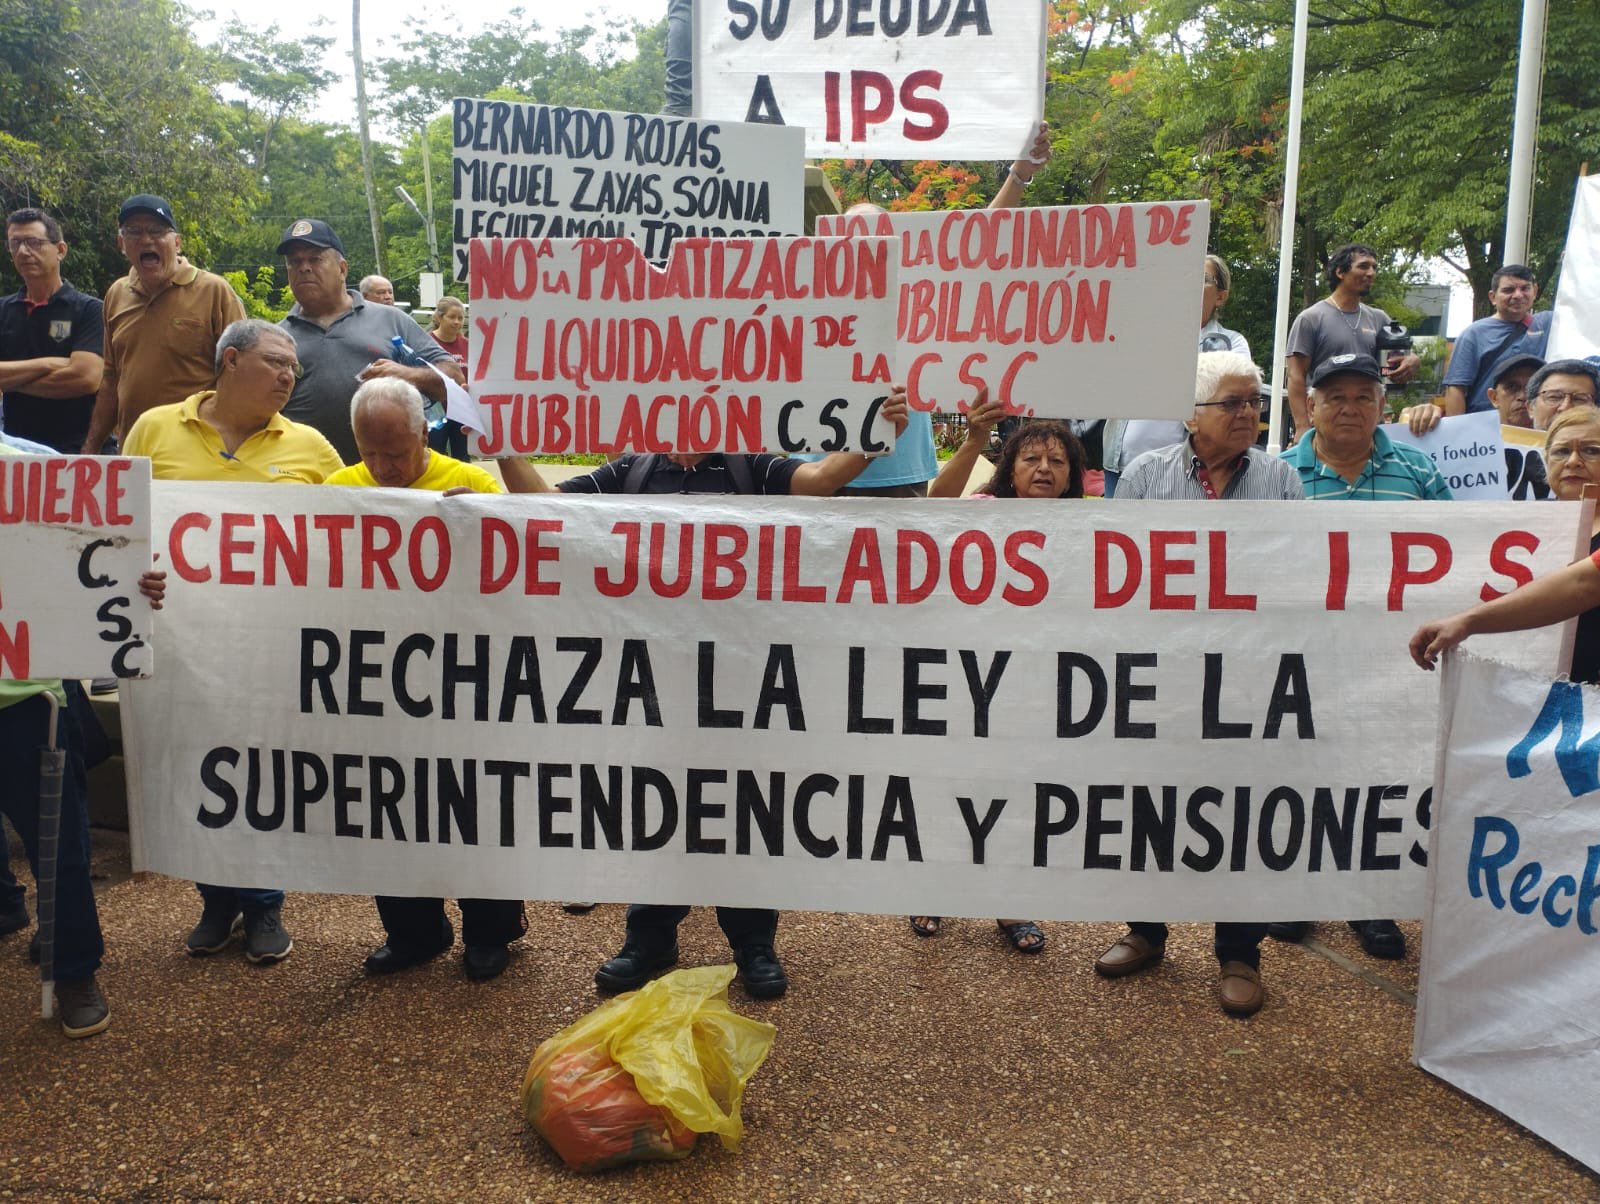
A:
[(50, 340), (162, 322), (342, 339)]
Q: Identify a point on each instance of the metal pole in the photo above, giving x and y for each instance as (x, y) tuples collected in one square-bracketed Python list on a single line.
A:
[(1291, 190), (1525, 131), (427, 196)]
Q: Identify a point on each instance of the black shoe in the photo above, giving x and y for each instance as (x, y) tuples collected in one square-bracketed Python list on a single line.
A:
[(386, 959), (84, 1010), (265, 937), (634, 965), (1380, 938), (1293, 931), (14, 921), (482, 962), (763, 974), (219, 924)]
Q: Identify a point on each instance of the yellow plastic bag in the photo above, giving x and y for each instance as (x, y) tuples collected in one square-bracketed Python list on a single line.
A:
[(639, 1077)]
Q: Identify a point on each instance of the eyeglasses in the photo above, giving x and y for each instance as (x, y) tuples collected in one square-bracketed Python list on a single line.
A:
[(1589, 453), (33, 244), (1233, 405), (137, 233), (280, 363), (1558, 397)]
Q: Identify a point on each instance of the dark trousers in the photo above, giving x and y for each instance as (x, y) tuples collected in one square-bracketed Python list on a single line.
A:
[(1234, 942), (13, 895), (656, 924), (252, 898), (23, 728), (451, 439), (420, 926), (680, 58)]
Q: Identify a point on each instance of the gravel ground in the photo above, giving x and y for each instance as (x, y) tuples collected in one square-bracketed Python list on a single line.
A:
[(904, 1070)]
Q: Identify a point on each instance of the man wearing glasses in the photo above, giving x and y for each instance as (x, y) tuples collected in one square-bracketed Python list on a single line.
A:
[(1218, 461), (50, 340), (162, 322), (1559, 386)]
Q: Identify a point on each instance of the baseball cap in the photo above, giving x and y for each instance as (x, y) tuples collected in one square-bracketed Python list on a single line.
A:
[(1513, 359), (310, 230), (146, 203), (1338, 365)]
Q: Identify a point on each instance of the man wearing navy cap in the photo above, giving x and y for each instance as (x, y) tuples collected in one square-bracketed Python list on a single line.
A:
[(342, 339), (162, 322)]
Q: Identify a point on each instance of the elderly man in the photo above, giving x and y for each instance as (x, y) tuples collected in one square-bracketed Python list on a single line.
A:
[(236, 432), (386, 415), (1218, 461), (343, 339), (162, 322), (1558, 386), (377, 289), (651, 943), (1347, 458), (50, 340), (1513, 327)]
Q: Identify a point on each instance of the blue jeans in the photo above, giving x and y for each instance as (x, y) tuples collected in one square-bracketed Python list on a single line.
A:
[(251, 898), (23, 727)]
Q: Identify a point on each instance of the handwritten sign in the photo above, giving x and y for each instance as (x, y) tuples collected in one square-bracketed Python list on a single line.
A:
[(74, 538), (1466, 450), (891, 79), (742, 345), (543, 171), (1068, 312)]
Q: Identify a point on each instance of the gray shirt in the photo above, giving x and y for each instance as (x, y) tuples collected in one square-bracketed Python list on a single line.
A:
[(1324, 330), (1170, 475), (332, 358)]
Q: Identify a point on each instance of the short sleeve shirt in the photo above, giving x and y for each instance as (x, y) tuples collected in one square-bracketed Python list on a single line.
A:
[(1324, 330), (70, 321), (183, 446), (769, 474), (332, 358), (442, 472), (1483, 345), (1393, 473)]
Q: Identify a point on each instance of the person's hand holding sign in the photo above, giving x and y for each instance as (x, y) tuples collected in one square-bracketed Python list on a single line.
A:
[(825, 477), (983, 416)]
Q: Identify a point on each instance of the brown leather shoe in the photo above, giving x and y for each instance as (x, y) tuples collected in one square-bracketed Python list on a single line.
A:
[(1239, 989), (1128, 956)]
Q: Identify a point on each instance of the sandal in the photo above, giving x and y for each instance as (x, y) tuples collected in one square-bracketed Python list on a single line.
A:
[(1025, 936), (925, 925)]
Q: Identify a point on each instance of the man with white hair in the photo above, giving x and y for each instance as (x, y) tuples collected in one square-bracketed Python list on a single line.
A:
[(392, 436), (1218, 461), (377, 289)]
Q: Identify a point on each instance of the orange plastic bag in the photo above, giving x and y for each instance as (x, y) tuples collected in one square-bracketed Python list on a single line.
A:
[(639, 1078)]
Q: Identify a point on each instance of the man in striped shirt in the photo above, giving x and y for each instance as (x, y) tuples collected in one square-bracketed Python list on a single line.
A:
[(1347, 458)]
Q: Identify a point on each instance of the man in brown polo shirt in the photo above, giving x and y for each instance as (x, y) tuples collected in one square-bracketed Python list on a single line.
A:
[(162, 320)]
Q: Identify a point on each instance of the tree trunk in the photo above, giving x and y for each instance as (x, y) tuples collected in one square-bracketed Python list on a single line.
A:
[(366, 139)]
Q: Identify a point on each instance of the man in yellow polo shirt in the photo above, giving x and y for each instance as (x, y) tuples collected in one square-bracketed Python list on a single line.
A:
[(236, 433), (392, 435)]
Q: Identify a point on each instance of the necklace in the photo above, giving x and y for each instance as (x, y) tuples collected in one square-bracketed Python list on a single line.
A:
[(1352, 320)]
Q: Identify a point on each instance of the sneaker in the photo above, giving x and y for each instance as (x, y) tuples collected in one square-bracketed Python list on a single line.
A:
[(14, 921), (265, 937), (220, 923), (84, 1010)]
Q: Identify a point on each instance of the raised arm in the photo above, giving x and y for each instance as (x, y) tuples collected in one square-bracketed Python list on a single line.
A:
[(1023, 171), (825, 477), (1553, 598), (981, 421)]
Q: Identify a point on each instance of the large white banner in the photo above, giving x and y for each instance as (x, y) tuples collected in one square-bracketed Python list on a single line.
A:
[(737, 345), (545, 171), (1063, 710), (1040, 306), (74, 538), (891, 79), (1511, 949), (1575, 323)]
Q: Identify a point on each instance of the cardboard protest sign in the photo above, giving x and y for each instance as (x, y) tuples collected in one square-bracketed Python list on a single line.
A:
[(1070, 312), (1466, 450), (877, 79), (74, 538), (1091, 711), (1511, 948), (743, 345), (545, 171), (1575, 320)]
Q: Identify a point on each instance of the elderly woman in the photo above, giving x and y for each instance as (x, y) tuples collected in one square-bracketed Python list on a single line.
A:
[(1572, 454), (1040, 460)]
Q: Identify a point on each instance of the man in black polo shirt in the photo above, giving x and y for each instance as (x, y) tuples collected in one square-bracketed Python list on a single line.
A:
[(651, 943), (50, 340)]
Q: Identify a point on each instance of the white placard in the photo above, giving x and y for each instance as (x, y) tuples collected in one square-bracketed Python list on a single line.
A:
[(544, 171), (784, 702), (1071, 312), (1511, 948), (892, 79), (1575, 322), (1467, 452), (74, 538), (737, 345)]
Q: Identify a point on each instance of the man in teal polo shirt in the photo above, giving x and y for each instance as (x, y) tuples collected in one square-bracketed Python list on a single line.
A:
[(1348, 458)]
